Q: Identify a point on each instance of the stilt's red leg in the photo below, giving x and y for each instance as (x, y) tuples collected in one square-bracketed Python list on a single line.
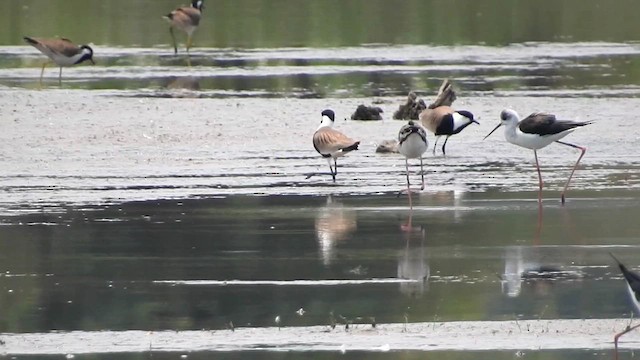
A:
[(535, 154), (406, 164), (582, 151), (615, 338)]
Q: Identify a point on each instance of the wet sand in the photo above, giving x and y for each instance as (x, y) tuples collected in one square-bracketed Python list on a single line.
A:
[(594, 334), (64, 147)]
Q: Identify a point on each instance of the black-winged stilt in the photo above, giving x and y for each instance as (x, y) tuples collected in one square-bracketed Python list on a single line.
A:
[(537, 131)]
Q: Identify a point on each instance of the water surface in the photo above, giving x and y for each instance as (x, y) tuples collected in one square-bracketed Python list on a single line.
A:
[(151, 196)]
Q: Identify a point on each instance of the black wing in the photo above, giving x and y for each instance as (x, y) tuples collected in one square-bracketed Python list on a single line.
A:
[(547, 124), (632, 278)]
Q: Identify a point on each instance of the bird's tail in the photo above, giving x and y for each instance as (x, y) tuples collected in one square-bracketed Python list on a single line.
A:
[(168, 17), (351, 147), (30, 41), (622, 267)]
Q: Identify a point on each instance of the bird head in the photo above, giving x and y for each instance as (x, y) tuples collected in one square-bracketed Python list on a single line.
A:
[(328, 118), (468, 116), (87, 52), (198, 4), (507, 116)]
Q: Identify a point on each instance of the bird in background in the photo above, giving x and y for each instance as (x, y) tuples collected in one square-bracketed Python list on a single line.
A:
[(186, 19), (445, 121), (331, 143), (633, 287), (537, 131), (412, 143), (62, 52)]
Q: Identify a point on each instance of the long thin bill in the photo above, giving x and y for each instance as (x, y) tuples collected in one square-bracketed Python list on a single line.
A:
[(492, 131)]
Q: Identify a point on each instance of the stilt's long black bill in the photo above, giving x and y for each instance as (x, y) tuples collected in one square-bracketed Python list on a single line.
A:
[(492, 131)]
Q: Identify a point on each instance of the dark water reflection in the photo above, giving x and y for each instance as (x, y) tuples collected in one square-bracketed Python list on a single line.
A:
[(593, 69), (98, 268), (290, 23), (355, 355), (70, 264)]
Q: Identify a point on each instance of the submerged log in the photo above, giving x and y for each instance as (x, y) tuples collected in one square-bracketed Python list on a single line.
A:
[(446, 95), (413, 107)]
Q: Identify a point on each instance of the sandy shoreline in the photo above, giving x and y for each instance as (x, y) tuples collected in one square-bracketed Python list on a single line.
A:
[(62, 147), (596, 334)]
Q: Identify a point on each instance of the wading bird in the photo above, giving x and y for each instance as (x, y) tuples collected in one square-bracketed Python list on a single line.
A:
[(412, 143), (187, 19), (537, 131), (331, 143), (62, 52), (633, 287), (445, 121)]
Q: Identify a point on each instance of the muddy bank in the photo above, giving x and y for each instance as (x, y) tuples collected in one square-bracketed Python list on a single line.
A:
[(596, 334), (76, 147)]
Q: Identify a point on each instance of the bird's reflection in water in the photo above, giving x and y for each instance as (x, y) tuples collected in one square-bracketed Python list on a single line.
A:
[(513, 269), (515, 266), (529, 265), (533, 265), (184, 82), (412, 263), (453, 199), (333, 223)]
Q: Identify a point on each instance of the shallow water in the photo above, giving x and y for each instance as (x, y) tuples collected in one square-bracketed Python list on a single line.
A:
[(144, 194), (206, 263)]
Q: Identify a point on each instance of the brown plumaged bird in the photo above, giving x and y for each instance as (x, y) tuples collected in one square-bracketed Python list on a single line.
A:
[(331, 143), (187, 19), (446, 121), (62, 52)]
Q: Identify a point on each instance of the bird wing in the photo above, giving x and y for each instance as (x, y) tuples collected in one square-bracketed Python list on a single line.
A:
[(55, 46), (190, 13), (431, 118), (63, 46), (632, 278), (538, 123), (327, 141), (547, 124)]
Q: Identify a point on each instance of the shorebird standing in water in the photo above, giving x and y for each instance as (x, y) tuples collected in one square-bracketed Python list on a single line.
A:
[(62, 52), (412, 143), (633, 287), (331, 143), (537, 131), (445, 121), (187, 19)]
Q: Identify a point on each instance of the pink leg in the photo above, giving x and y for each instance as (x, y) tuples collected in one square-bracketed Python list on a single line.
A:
[(535, 154), (536, 240), (406, 164), (615, 338), (407, 227), (582, 151)]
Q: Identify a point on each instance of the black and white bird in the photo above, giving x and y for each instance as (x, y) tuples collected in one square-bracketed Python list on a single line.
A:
[(445, 121), (412, 143), (633, 287), (537, 131), (186, 19), (62, 52), (331, 143)]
